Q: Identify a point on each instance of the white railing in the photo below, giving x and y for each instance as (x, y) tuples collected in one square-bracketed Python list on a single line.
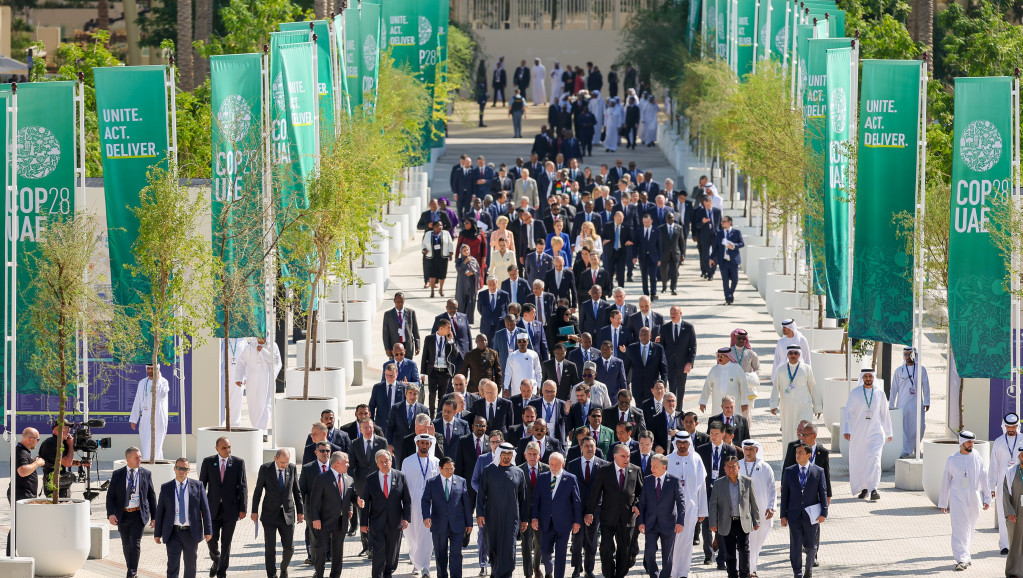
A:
[(547, 14)]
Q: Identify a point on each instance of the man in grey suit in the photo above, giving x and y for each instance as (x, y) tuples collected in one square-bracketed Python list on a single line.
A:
[(526, 187), (733, 515), (672, 240)]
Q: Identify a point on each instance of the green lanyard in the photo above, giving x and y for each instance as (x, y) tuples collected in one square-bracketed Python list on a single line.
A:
[(869, 401)]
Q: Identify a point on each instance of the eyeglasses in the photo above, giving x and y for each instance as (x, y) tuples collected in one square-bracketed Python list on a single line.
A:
[(33, 438), (794, 354), (181, 469), (323, 451)]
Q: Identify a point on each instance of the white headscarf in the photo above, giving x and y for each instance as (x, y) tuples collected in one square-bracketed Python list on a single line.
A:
[(865, 372), (789, 323)]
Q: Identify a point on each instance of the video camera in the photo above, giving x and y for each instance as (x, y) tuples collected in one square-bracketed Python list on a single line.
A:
[(83, 440)]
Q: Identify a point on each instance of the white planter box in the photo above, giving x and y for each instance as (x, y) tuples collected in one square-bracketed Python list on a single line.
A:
[(56, 535), (293, 418), (769, 267), (359, 333), (359, 311), (382, 260), (780, 299), (365, 292), (751, 261), (836, 393), (332, 308), (827, 365), (339, 353), (373, 275), (246, 443), (329, 383), (825, 338)]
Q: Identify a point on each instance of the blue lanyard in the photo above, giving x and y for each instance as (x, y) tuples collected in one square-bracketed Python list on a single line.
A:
[(423, 468), (792, 374)]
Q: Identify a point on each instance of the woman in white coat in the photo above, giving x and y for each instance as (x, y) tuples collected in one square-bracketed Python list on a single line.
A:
[(438, 250)]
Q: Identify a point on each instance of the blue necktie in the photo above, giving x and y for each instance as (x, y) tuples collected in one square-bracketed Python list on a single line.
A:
[(618, 239), (802, 477), (182, 516), (280, 479), (410, 415)]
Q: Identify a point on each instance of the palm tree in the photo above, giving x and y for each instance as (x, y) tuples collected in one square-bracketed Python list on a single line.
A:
[(184, 45), (203, 31), (103, 14)]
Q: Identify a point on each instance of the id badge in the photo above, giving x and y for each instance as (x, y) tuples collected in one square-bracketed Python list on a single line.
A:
[(133, 502), (964, 483), (436, 247)]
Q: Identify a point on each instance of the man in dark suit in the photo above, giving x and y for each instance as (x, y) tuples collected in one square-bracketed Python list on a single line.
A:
[(528, 460), (330, 507), (459, 326), (646, 363), (593, 313), (516, 287), (803, 490), (616, 238), (520, 400), (580, 355), (447, 512), (552, 409), (384, 395), (496, 410), (678, 338), (470, 448), (450, 427), (645, 317), (388, 512), (594, 275), (310, 471), (546, 444), (714, 455), (318, 434), (614, 498), (561, 283), (536, 264), (364, 452), (585, 468), (400, 422), (632, 414), (611, 371), (131, 503), (672, 241), (666, 422), (587, 215), (492, 305), (706, 224), (351, 428), (684, 218), (441, 359), (482, 174), (616, 332), (819, 455), (401, 326), (408, 372), (543, 301), (431, 216), (726, 256), (282, 509), (654, 402), (689, 423), (648, 255), (524, 428), (740, 427), (662, 512), (645, 450), (561, 371), (462, 184), (557, 514), (227, 493), (182, 520), (535, 331)]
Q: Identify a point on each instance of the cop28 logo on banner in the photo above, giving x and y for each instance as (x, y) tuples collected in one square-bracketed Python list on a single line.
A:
[(38, 152), (277, 91), (839, 110), (781, 40), (425, 30), (369, 51), (980, 146), (235, 118)]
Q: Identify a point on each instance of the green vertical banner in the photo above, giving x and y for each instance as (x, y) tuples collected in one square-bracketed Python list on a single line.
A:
[(353, 55), (324, 69), (346, 58), (886, 179), (301, 95), (838, 140), (372, 35), (722, 29), (694, 22), (430, 30), (773, 40), (401, 34), (815, 110), (803, 34), (286, 172), (46, 190), (978, 303), (237, 185), (745, 29), (131, 103), (440, 96)]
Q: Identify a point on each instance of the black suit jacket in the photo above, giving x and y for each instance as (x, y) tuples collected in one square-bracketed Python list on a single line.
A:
[(117, 494), (705, 453), (658, 424), (287, 500), (309, 473), (584, 280), (560, 429), (643, 376), (575, 452), (635, 416), (706, 232), (426, 220), (465, 457), (309, 453), (590, 323), (232, 494), (635, 323), (822, 459), (550, 447), (398, 424), (740, 428), (615, 504), (462, 331), (385, 514), (366, 463), (517, 406), (502, 414), (549, 303), (327, 505), (680, 352), (452, 353), (411, 330), (352, 430), (795, 498), (462, 184), (569, 376), (567, 289)]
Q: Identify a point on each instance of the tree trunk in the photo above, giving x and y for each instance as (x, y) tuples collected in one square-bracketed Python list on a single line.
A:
[(320, 8), (103, 14), (62, 395), (921, 27), (203, 31), (184, 46), (153, 381)]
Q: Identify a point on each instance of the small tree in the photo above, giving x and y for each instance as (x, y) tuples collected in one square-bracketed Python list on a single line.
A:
[(175, 267), (66, 308)]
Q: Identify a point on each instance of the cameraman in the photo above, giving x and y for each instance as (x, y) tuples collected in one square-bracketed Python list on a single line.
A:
[(48, 451)]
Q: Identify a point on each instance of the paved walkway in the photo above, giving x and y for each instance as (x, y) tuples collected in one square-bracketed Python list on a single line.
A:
[(902, 535)]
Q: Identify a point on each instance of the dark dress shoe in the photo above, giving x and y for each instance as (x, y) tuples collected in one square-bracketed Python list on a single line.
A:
[(863, 494), (706, 560), (874, 496), (1004, 552)]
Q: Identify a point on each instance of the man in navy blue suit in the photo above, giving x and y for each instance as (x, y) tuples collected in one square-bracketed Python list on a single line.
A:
[(557, 513), (516, 287), (459, 326), (617, 333), (662, 511), (462, 186), (182, 519), (400, 420), (706, 223), (648, 254), (726, 257), (408, 371), (803, 491), (482, 174), (593, 313), (450, 427), (535, 330), (131, 503), (611, 371), (492, 305), (447, 512), (552, 410), (384, 395), (646, 362)]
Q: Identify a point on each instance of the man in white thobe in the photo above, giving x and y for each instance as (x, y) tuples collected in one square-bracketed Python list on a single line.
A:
[(419, 469), (685, 465), (539, 88), (648, 114), (612, 122), (235, 347), (791, 336), (556, 84), (597, 107), (522, 364), (964, 487), (795, 394), (142, 410), (258, 367), (909, 381), (763, 487), (868, 427), (1004, 453), (725, 378)]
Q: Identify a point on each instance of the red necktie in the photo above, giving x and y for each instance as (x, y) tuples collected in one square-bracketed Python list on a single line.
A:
[(621, 480), (477, 447), (532, 477), (623, 418), (587, 472), (386, 487), (594, 276), (323, 468), (223, 467), (596, 435), (341, 485), (454, 326), (559, 373)]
